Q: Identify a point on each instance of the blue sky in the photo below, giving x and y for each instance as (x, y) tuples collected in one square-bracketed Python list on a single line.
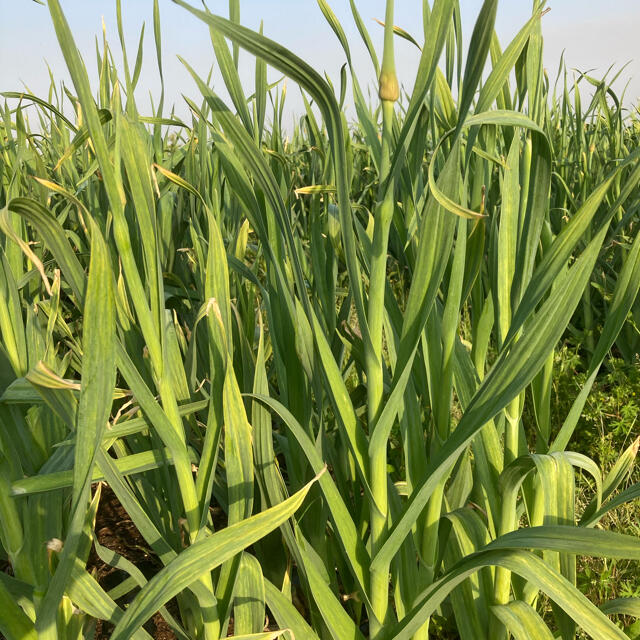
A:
[(593, 35)]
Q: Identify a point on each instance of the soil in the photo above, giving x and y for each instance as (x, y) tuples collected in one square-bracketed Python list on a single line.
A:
[(115, 530)]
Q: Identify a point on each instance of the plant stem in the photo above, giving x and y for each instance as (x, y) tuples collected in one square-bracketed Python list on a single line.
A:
[(502, 584), (384, 213)]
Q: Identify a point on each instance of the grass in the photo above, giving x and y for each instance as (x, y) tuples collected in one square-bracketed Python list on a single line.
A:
[(363, 327)]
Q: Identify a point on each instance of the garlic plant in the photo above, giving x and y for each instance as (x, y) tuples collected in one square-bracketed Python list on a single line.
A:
[(333, 338)]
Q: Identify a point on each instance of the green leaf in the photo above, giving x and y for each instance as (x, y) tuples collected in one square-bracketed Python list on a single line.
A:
[(97, 383), (525, 564), (513, 371), (522, 621), (340, 625), (14, 623), (201, 557), (286, 614), (622, 606), (249, 597), (353, 547)]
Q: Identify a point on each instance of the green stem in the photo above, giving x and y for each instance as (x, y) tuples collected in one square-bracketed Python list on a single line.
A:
[(512, 431), (375, 317), (430, 544), (12, 531), (375, 378), (508, 516)]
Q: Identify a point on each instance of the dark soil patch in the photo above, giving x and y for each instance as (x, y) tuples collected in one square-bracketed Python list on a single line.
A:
[(115, 530), (5, 567)]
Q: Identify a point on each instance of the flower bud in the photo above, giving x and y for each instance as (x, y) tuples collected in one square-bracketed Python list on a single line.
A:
[(389, 89)]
